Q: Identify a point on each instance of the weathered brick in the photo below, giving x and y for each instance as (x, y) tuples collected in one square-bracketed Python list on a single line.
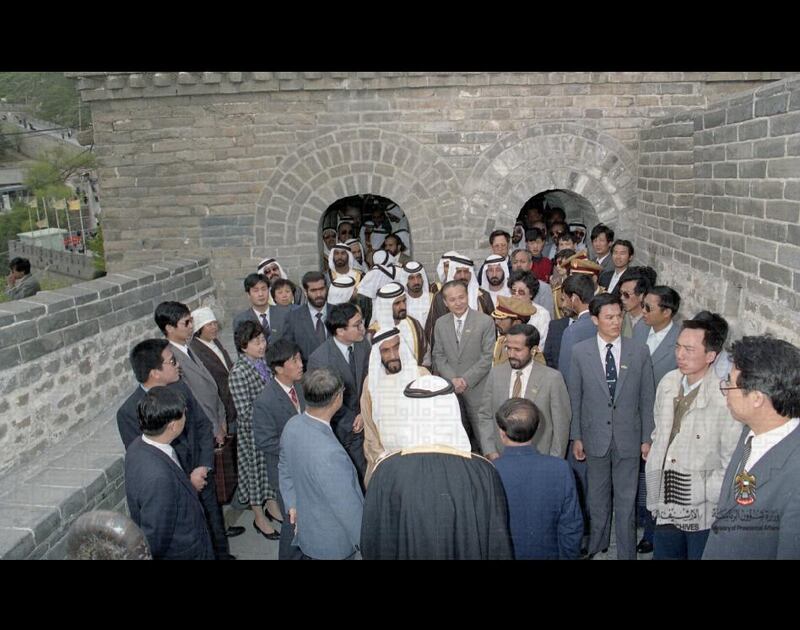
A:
[(776, 274), (784, 168), (753, 129), (785, 124), (774, 147), (771, 105), (788, 211)]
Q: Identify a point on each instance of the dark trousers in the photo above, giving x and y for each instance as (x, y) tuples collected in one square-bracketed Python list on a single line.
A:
[(214, 518), (287, 551), (354, 445), (670, 543), (579, 470), (645, 519)]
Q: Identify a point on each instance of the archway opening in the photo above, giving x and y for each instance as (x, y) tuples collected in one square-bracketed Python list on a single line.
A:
[(546, 209), (376, 222)]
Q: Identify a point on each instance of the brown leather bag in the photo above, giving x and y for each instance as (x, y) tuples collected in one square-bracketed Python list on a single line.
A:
[(225, 473)]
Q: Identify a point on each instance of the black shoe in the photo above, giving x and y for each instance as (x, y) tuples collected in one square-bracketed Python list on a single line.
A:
[(227, 556), (644, 546), (270, 517), (234, 530), (272, 536)]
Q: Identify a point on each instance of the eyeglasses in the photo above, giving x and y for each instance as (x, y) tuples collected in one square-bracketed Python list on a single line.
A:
[(647, 307), (725, 386), (627, 295), (173, 361)]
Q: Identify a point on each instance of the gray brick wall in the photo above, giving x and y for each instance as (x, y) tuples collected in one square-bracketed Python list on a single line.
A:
[(63, 354), (238, 166), (729, 242)]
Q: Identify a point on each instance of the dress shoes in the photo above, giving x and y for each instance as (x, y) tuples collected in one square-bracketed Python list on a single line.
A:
[(234, 530), (644, 546), (271, 518), (227, 556), (272, 536)]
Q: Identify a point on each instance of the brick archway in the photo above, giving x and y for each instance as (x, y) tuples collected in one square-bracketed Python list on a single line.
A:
[(559, 155), (355, 161)]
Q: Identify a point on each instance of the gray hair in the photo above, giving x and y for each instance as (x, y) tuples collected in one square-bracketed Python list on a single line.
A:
[(320, 387)]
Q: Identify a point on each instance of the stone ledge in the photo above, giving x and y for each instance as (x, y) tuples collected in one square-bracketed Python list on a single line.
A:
[(40, 501)]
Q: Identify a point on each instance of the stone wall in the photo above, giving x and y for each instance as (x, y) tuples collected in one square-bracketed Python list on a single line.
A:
[(242, 165), (719, 204), (63, 353), (66, 263)]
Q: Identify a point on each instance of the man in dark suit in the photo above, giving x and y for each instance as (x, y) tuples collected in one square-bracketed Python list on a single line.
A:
[(154, 365), (612, 421), (281, 399), (318, 481), (306, 326), (346, 352), (621, 254), (162, 500), (578, 290), (545, 518), (272, 318), (758, 515)]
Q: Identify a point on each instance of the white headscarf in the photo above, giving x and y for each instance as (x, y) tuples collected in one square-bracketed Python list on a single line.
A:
[(375, 278), (383, 314), (494, 259), (268, 261), (383, 257), (362, 267), (325, 250), (377, 237), (427, 413), (341, 290), (418, 308), (582, 245), (459, 262), (404, 235), (351, 261), (440, 265)]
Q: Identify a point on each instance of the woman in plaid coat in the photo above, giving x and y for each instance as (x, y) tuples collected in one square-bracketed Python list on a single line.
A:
[(247, 380)]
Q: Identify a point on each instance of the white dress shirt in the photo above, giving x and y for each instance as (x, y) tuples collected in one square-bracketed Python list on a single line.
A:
[(526, 374), (314, 312), (614, 279), (259, 314), (343, 349), (654, 338), (616, 350), (182, 348), (762, 443), (686, 388), (164, 448), (599, 261)]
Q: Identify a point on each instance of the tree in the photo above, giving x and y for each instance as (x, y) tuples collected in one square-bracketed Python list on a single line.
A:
[(47, 176), (48, 95)]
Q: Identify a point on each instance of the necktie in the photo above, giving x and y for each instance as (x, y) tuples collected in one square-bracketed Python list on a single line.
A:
[(265, 325), (191, 356), (320, 328), (748, 446), (352, 361), (458, 331), (293, 396), (517, 385), (611, 371)]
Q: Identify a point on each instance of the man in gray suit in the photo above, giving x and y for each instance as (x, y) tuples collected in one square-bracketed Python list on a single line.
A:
[(660, 333), (462, 352), (522, 377), (346, 352), (318, 481), (272, 318), (175, 321), (577, 291), (758, 514), (281, 400), (612, 392)]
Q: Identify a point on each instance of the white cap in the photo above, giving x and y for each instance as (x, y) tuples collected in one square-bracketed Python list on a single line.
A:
[(202, 316)]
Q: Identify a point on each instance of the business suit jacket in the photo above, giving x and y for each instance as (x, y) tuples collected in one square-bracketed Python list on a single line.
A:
[(605, 278), (328, 355), (277, 315), (607, 264), (203, 386), (582, 329), (301, 329), (596, 418), (552, 346), (544, 298), (544, 515), (664, 357), (194, 447), (546, 389), (165, 505), (769, 528), (318, 479), (272, 409), (219, 372), (470, 360)]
